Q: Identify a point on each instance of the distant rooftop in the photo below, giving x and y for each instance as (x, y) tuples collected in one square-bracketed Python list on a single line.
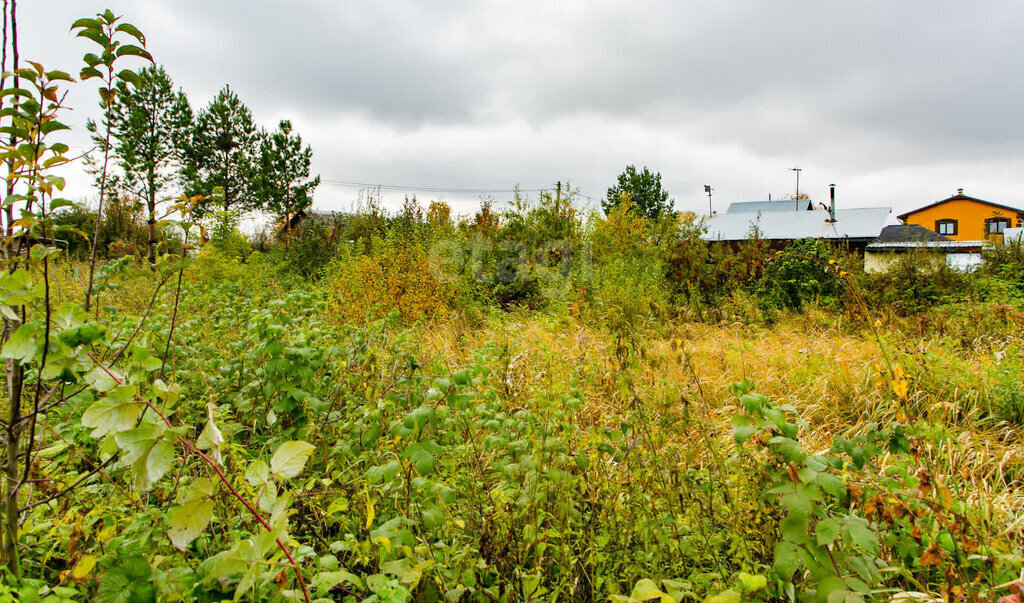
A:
[(781, 205), (913, 236), (960, 196), (909, 233), (855, 223)]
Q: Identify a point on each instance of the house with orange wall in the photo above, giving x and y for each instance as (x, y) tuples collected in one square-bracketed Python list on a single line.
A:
[(964, 218)]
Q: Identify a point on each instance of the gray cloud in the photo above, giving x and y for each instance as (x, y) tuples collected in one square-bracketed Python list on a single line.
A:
[(484, 94)]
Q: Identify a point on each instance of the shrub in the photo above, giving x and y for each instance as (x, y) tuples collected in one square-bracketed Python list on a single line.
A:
[(797, 275), (919, 279), (395, 275), (315, 243)]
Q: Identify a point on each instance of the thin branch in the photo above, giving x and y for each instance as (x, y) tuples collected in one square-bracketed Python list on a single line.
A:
[(224, 480), (94, 471), (142, 321)]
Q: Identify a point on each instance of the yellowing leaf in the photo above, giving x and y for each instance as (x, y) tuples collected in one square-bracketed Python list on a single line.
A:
[(189, 520), (646, 589), (83, 567), (370, 513), (290, 458)]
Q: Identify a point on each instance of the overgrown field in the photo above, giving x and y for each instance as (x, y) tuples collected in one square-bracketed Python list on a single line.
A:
[(589, 447), (530, 403)]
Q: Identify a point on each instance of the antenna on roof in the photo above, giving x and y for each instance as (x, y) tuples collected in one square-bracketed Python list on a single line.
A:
[(708, 189), (797, 199)]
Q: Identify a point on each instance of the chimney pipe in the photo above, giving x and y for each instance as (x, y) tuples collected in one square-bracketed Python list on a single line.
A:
[(832, 203)]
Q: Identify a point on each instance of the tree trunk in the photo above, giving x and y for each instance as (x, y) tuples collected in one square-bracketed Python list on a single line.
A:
[(12, 477), (15, 372), (151, 202), (99, 217)]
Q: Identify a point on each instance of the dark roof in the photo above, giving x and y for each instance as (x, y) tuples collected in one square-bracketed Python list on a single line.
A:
[(909, 233), (960, 197)]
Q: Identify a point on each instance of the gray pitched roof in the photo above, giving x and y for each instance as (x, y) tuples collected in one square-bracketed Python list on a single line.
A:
[(756, 206), (856, 223)]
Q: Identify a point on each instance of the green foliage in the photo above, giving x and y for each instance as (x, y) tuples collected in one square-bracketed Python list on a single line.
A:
[(802, 273), (216, 429), (315, 243), (222, 152), (918, 280), (151, 125), (642, 190), (283, 187)]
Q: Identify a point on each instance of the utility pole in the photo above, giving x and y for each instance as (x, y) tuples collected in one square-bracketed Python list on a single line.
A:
[(708, 189), (797, 170), (558, 195)]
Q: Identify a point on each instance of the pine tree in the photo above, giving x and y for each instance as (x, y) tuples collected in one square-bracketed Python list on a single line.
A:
[(643, 190), (282, 182), (221, 152), (150, 125)]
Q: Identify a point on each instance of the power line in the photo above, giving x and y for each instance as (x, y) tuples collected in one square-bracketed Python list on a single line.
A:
[(429, 189)]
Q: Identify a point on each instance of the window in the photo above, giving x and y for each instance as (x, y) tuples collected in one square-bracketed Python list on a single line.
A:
[(946, 227), (996, 225)]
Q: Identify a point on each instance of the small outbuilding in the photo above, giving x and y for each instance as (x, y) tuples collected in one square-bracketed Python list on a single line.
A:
[(894, 242)]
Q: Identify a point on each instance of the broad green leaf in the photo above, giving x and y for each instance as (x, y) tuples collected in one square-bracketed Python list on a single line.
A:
[(862, 535), (199, 488), (424, 461), (742, 428), (22, 346), (133, 31), (794, 528), (325, 581), (788, 449), (826, 531), (432, 517), (135, 443), (267, 497), (257, 473), (799, 505), (132, 50), (161, 458), (189, 520), (831, 484), (787, 560), (100, 380), (108, 415), (87, 23), (290, 458), (383, 473), (210, 437)]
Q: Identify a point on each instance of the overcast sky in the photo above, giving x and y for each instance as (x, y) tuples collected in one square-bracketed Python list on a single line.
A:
[(897, 102)]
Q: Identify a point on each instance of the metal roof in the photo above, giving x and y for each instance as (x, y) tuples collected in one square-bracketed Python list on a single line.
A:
[(777, 205), (856, 223), (950, 244)]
